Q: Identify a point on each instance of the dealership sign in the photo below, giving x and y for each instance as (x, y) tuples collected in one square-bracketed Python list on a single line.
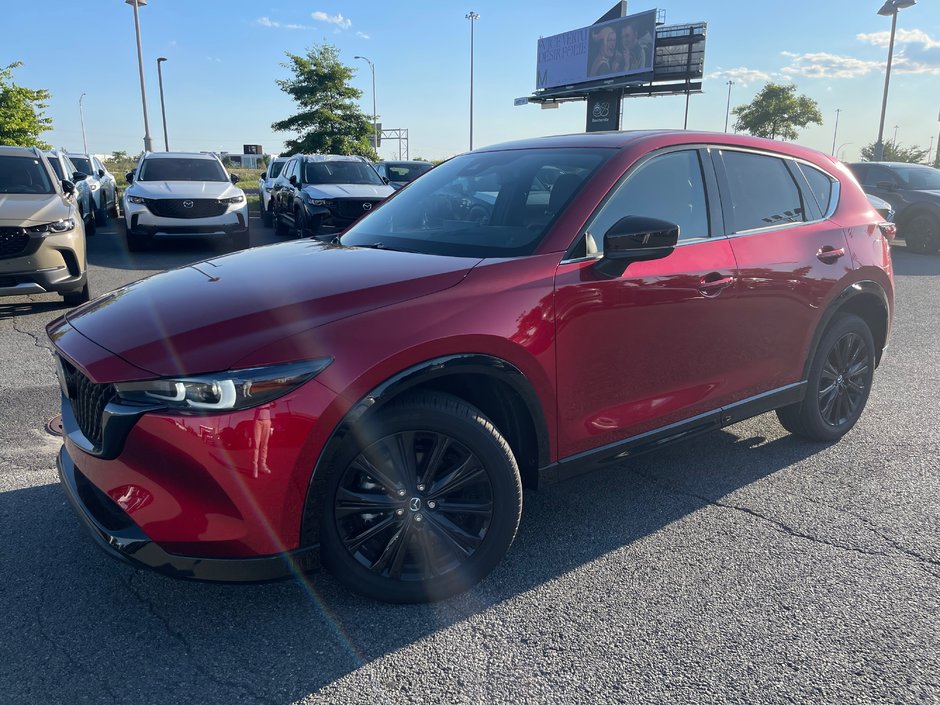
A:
[(620, 47)]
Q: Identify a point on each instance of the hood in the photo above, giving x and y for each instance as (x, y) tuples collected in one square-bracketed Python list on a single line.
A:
[(19, 209), (349, 191), (208, 316), (184, 189)]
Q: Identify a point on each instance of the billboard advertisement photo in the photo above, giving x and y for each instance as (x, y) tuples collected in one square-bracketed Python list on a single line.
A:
[(620, 47)]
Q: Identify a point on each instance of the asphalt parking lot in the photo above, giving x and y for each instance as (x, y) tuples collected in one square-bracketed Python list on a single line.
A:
[(742, 567)]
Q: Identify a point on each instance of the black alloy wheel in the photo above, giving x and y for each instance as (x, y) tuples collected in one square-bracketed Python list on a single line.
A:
[(838, 384), (424, 504), (922, 234)]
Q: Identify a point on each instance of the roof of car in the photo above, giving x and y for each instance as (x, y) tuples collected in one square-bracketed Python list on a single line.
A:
[(9, 151)]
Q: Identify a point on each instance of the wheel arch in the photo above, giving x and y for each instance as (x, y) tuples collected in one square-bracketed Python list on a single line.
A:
[(867, 300), (496, 387)]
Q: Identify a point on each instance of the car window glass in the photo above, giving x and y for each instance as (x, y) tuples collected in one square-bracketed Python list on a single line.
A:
[(81, 164), (275, 169), (821, 186), (54, 163), (340, 172), (669, 187), (481, 204), (181, 169), (24, 175), (878, 174), (920, 178), (763, 192)]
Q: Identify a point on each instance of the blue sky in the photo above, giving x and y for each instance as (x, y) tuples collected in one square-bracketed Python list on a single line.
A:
[(223, 58)]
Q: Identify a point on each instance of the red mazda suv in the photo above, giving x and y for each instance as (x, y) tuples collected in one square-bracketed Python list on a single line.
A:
[(519, 315)]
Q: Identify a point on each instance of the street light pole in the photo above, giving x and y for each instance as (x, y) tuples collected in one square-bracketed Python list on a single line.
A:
[(835, 132), (166, 140), (896, 135), (81, 110), (473, 17), (728, 108), (148, 143), (891, 7), (841, 150), (375, 119)]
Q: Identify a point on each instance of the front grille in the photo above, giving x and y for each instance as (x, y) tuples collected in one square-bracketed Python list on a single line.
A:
[(88, 400), (13, 241), (185, 207), (351, 208)]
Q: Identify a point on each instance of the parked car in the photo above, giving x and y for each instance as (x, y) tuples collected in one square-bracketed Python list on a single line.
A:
[(913, 190), (265, 185), (321, 191), (401, 173), (66, 170), (102, 183), (42, 237), (381, 401), (183, 193)]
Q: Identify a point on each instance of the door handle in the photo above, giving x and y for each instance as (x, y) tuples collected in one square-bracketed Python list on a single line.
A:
[(714, 283), (829, 254)]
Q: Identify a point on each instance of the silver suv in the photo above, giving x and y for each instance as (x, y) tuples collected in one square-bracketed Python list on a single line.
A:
[(66, 170), (42, 238), (102, 184), (183, 193)]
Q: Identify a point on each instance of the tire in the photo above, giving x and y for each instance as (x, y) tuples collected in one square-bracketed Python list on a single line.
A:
[(839, 382), (115, 210), (922, 233), (267, 215), (390, 538), (280, 228), (101, 213), (91, 226), (76, 298), (137, 242)]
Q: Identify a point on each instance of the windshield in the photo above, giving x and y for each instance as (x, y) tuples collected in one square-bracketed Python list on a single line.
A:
[(405, 172), (82, 164), (340, 172), (490, 204), (24, 175), (181, 169), (275, 169), (920, 178)]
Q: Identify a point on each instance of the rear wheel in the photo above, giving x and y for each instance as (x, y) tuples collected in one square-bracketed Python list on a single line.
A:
[(267, 215), (839, 383), (422, 502), (101, 213), (922, 233), (75, 298)]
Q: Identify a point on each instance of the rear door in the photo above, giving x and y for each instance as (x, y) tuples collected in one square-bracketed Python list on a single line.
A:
[(790, 259)]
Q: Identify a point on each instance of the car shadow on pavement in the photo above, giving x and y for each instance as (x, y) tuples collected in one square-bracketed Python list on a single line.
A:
[(907, 263), (79, 627), (25, 308)]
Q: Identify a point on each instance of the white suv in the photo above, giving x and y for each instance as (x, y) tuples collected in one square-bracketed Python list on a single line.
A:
[(183, 193), (265, 186)]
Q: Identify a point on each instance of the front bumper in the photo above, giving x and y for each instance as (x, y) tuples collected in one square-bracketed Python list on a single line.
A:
[(141, 221), (118, 536)]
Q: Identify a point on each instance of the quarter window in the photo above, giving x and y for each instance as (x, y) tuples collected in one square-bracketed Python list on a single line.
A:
[(669, 187), (763, 192), (821, 186)]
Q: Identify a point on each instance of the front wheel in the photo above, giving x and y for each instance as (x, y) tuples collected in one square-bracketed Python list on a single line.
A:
[(922, 234), (839, 383), (76, 298), (422, 502)]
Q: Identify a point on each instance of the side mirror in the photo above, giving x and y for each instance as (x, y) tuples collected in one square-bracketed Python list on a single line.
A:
[(234, 178), (79, 176), (886, 185), (636, 238), (385, 179), (101, 173), (264, 174), (293, 180), (129, 176), (68, 187)]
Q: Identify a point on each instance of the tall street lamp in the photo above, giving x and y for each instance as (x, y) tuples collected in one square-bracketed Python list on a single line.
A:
[(841, 150), (166, 140), (473, 17), (137, 4), (891, 7), (81, 111), (835, 131), (728, 108), (375, 118)]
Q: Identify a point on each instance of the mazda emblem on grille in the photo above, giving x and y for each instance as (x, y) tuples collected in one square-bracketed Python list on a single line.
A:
[(367, 206), (187, 204)]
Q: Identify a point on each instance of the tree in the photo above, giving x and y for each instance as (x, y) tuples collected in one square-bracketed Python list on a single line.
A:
[(777, 111), (329, 120), (22, 119), (894, 152), (120, 156)]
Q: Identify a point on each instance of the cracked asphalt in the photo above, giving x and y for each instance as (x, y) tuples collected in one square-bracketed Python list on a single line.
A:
[(743, 567)]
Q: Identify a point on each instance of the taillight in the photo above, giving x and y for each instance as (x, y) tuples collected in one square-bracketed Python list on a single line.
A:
[(889, 230)]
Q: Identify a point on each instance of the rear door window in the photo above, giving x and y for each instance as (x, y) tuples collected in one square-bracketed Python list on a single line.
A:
[(762, 190), (821, 186)]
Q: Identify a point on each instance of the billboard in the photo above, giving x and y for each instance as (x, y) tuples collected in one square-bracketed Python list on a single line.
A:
[(620, 47)]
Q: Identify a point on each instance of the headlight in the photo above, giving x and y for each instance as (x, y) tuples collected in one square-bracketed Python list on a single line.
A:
[(325, 202), (239, 389), (60, 226), (233, 199), (136, 199)]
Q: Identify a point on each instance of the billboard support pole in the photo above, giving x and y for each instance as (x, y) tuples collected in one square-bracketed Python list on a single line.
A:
[(688, 93)]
